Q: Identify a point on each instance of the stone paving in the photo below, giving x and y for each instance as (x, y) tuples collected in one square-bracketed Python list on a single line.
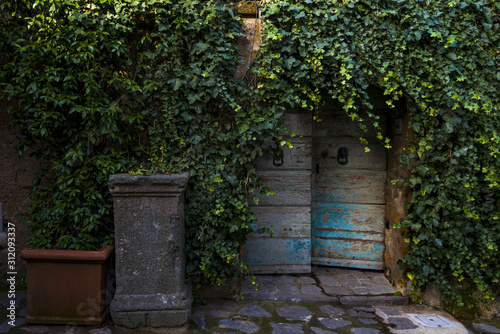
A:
[(331, 300), (275, 317), (283, 318), (336, 285)]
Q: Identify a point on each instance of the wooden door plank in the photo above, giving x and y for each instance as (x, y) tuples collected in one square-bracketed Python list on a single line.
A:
[(285, 222), (346, 234), (291, 188), (362, 218), (350, 186), (352, 249)]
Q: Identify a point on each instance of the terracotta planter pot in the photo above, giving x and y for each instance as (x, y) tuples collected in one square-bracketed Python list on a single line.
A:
[(67, 286)]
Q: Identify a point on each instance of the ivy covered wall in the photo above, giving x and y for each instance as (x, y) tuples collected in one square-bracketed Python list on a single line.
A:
[(442, 56)]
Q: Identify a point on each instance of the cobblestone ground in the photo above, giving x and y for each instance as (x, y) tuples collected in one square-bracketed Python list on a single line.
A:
[(284, 318), (332, 300), (315, 318)]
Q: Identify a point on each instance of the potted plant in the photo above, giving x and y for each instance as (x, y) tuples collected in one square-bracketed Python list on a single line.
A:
[(70, 252)]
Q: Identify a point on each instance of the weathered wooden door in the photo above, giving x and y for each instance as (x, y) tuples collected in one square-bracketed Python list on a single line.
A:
[(348, 206)]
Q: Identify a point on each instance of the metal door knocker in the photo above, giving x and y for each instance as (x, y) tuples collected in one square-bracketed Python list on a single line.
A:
[(342, 155), (278, 156)]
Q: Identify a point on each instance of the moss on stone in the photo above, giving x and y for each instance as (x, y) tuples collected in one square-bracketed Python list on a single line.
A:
[(417, 297), (475, 305), (246, 7)]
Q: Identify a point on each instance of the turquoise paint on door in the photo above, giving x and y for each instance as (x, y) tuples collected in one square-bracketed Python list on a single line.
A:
[(348, 206)]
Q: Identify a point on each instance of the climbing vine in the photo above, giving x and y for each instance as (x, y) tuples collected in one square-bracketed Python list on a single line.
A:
[(442, 58), (212, 125), (149, 86)]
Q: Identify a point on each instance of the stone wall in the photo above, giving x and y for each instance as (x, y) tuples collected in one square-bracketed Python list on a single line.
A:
[(248, 43), (16, 176)]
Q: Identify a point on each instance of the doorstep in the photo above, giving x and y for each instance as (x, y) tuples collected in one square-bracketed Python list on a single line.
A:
[(335, 285)]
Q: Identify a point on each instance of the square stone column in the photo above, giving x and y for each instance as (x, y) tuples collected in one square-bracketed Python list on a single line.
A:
[(151, 293)]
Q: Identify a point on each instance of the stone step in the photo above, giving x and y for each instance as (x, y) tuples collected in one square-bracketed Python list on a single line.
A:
[(334, 285), (338, 300)]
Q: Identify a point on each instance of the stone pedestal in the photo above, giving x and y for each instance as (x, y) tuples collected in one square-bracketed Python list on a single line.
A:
[(151, 293)]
